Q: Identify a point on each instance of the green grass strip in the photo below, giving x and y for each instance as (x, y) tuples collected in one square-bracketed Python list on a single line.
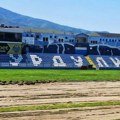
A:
[(59, 75), (57, 106)]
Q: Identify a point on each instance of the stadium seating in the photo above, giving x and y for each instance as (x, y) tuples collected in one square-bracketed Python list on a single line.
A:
[(59, 48), (37, 60), (93, 51), (106, 62), (104, 50), (57, 60), (116, 51), (12, 60)]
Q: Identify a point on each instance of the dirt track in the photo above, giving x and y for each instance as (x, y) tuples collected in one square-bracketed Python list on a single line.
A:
[(14, 95)]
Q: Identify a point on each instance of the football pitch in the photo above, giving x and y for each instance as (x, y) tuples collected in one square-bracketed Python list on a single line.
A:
[(75, 94), (58, 75)]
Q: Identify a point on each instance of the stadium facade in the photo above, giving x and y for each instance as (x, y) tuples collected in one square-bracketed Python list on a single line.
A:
[(20, 48)]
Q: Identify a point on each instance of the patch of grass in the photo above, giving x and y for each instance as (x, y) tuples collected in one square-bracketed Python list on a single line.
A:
[(57, 106), (58, 75)]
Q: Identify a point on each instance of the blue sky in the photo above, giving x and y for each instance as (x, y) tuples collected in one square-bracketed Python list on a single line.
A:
[(95, 15)]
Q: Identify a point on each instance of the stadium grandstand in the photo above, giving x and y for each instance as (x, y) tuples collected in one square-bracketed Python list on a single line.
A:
[(21, 48)]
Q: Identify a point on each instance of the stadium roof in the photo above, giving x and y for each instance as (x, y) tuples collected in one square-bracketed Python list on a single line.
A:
[(12, 30), (115, 35)]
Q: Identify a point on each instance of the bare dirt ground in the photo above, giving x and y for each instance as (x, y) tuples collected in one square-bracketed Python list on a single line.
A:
[(14, 95)]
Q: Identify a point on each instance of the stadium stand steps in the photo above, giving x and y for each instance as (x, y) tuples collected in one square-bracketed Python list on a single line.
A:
[(90, 61)]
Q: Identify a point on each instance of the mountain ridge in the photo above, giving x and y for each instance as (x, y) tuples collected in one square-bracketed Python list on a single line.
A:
[(8, 17)]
